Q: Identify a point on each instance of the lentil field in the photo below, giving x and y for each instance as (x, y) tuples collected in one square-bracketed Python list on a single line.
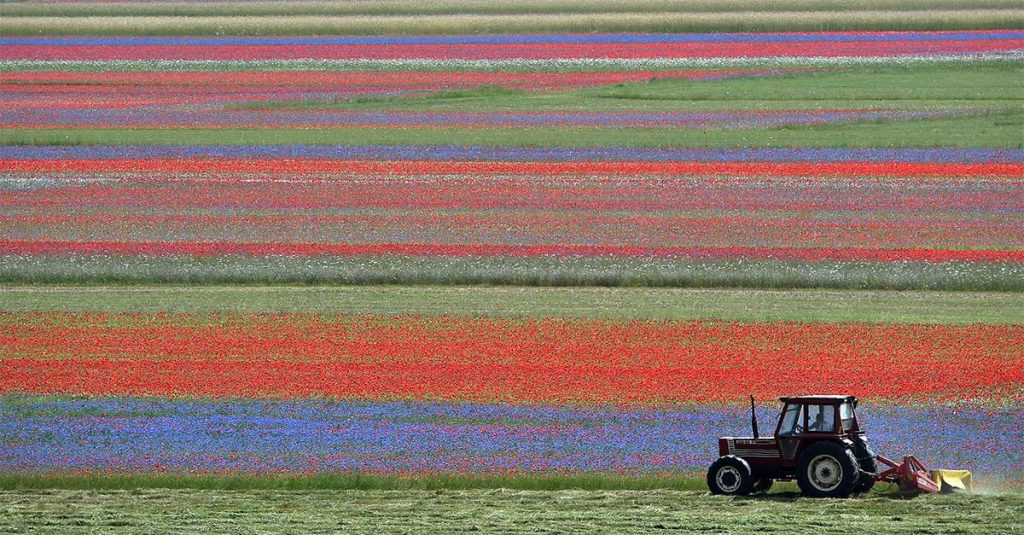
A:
[(394, 266)]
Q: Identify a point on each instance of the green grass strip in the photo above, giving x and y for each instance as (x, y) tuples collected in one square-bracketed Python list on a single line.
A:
[(936, 87), (989, 131), (511, 271), (506, 23), (451, 7), (611, 303)]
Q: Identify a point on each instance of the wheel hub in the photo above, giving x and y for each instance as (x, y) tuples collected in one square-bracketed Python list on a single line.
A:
[(728, 479), (825, 472)]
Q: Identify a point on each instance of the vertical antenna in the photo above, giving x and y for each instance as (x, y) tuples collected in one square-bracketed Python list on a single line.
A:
[(753, 417)]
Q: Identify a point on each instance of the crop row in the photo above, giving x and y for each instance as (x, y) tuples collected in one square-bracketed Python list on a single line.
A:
[(594, 209), (119, 83), (40, 92), (518, 65), (412, 7), (530, 48), (627, 157), (589, 21), (506, 270), (187, 436), (211, 248), (657, 165), (409, 357), (143, 112)]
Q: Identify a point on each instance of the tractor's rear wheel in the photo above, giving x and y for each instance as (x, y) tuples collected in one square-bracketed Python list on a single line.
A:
[(868, 464), (730, 475), (827, 470)]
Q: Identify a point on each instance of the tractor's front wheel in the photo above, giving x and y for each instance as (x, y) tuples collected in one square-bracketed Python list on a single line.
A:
[(827, 470), (730, 475), (762, 484)]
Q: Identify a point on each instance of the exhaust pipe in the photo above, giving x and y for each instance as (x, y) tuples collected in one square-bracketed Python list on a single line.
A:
[(753, 417)]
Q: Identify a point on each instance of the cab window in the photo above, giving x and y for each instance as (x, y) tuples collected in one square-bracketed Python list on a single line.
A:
[(792, 420), (821, 419), (846, 414)]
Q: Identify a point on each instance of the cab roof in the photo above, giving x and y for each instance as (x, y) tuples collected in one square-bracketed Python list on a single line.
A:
[(822, 399)]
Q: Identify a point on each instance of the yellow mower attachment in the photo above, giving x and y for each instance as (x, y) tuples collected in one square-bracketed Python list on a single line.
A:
[(952, 480)]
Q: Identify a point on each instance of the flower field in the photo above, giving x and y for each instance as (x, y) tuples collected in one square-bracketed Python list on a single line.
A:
[(497, 359), (845, 44), (287, 436), (419, 394), (850, 163), (374, 205)]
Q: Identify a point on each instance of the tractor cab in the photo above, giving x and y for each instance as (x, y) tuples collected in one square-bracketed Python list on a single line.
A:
[(806, 419)]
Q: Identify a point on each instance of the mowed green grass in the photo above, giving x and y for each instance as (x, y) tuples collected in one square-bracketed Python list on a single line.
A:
[(993, 94), (500, 510), (611, 303)]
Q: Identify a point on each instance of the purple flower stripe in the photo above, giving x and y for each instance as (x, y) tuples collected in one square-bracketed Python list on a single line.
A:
[(801, 37), (494, 153), (53, 435), (214, 116)]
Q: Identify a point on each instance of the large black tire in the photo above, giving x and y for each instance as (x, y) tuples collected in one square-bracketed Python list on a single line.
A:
[(868, 464), (827, 470), (730, 475)]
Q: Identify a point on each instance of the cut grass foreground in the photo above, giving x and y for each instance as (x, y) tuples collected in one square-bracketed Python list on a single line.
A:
[(511, 271), (612, 303), (499, 510)]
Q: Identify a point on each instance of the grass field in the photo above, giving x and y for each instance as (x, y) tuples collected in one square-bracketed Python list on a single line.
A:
[(412, 7), (971, 132), (506, 511), (405, 18), (550, 272), (991, 86), (622, 304)]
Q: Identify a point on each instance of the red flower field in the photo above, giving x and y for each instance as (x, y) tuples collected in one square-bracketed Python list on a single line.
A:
[(409, 357)]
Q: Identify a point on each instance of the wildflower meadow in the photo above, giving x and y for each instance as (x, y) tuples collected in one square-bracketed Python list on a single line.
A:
[(258, 248)]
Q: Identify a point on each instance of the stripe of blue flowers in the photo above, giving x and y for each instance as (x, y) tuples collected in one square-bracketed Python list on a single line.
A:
[(252, 435), (491, 153), (802, 37)]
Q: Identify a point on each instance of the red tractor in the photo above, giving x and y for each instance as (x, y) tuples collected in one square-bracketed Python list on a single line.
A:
[(819, 443)]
